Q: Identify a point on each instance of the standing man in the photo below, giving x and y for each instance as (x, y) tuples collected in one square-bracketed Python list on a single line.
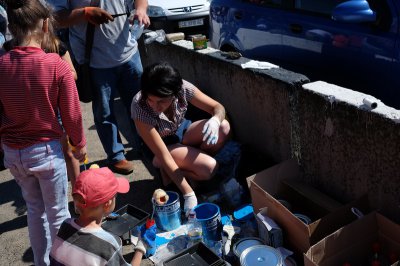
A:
[(115, 62)]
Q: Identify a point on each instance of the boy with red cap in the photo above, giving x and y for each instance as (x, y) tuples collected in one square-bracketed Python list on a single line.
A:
[(82, 241)]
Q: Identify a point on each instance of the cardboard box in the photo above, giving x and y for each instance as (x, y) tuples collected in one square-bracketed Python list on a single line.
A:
[(282, 182), (353, 243)]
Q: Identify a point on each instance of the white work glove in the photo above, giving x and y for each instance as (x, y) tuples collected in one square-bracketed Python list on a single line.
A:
[(140, 246), (211, 130), (190, 202)]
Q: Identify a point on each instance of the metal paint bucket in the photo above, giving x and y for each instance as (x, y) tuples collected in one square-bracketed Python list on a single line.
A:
[(168, 216), (261, 255), (245, 243)]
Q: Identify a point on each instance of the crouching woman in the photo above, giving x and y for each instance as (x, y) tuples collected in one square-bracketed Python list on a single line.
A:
[(181, 149)]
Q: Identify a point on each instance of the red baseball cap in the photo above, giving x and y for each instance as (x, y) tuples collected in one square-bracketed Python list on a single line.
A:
[(98, 185)]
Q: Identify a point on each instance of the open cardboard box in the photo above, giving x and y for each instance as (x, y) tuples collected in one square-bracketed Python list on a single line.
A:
[(282, 181), (353, 243)]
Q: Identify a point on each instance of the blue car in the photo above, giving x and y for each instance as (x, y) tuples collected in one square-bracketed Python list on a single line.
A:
[(354, 44)]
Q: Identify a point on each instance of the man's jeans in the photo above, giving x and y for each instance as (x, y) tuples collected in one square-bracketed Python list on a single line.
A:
[(41, 173), (125, 80)]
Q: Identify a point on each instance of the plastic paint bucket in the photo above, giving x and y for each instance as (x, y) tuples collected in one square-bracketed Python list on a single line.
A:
[(168, 216), (209, 216), (262, 255), (244, 213)]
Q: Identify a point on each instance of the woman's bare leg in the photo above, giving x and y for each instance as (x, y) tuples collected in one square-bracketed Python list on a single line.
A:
[(194, 163)]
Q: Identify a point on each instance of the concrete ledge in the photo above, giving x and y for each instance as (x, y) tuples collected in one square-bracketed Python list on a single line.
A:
[(348, 149), (257, 101), (345, 148)]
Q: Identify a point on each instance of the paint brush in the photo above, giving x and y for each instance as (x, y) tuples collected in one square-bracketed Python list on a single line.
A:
[(121, 14)]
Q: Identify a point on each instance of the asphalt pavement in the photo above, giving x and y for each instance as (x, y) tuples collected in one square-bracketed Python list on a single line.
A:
[(14, 241)]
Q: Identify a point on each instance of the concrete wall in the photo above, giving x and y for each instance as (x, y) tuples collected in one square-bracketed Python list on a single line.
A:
[(345, 149)]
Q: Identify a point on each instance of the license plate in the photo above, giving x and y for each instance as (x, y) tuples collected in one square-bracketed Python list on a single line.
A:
[(191, 23)]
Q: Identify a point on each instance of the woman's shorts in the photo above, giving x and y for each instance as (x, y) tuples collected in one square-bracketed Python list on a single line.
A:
[(169, 140)]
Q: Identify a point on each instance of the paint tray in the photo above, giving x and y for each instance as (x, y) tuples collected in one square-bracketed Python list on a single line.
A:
[(197, 255), (127, 218)]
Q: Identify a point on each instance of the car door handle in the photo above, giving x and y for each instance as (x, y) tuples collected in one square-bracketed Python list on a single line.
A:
[(238, 15), (296, 28)]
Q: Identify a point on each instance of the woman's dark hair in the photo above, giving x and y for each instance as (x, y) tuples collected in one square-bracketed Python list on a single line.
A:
[(24, 17), (161, 80)]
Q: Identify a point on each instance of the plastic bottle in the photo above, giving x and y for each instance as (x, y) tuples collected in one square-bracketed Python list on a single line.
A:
[(195, 231), (136, 30), (158, 35)]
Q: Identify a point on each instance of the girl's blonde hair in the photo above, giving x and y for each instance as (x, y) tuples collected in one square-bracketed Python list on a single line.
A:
[(50, 43)]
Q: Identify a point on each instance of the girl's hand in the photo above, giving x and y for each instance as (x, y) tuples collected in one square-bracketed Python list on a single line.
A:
[(80, 154)]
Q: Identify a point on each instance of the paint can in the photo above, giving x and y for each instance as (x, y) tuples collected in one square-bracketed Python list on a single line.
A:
[(199, 42), (168, 216), (245, 243), (261, 255), (209, 216)]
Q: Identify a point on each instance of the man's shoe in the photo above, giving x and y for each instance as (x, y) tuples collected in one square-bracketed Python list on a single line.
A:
[(122, 167)]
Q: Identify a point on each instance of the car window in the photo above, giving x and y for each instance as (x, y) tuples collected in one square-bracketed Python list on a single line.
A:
[(384, 15), (323, 7), (272, 3)]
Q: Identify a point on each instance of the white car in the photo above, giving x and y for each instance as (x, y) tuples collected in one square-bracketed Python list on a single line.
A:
[(190, 16)]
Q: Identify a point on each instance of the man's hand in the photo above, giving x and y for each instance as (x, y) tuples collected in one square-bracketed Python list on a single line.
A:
[(96, 15), (142, 18)]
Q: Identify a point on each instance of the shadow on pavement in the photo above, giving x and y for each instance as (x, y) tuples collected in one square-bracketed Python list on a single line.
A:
[(14, 224), (15, 197), (28, 256), (139, 195)]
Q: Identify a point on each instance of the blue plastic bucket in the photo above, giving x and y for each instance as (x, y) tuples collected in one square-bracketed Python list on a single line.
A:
[(208, 214), (168, 216)]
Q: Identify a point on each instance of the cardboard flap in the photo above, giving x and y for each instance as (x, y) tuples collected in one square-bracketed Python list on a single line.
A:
[(360, 231), (338, 218), (390, 232), (293, 227), (353, 243)]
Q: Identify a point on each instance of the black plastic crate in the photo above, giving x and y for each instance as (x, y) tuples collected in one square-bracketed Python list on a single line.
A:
[(128, 217), (197, 255)]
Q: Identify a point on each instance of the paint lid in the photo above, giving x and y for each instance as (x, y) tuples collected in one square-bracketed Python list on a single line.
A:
[(244, 213), (245, 243), (261, 255)]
